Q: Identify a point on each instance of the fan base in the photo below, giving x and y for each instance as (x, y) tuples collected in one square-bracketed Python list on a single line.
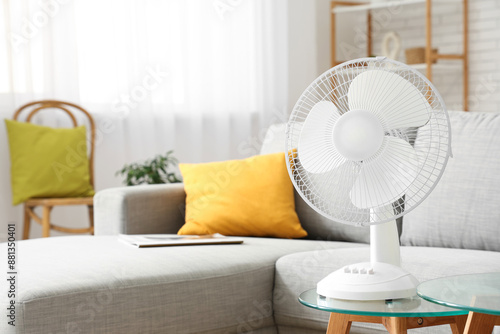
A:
[(368, 281)]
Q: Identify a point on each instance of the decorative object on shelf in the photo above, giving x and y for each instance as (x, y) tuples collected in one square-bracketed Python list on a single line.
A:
[(388, 50), (417, 55), (354, 163), (155, 171)]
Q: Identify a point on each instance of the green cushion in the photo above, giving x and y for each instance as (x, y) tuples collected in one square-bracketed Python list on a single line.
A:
[(48, 162)]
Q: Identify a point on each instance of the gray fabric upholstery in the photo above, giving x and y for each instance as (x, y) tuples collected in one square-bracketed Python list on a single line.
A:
[(298, 272), (321, 228), (317, 226), (146, 209), (85, 284), (463, 211)]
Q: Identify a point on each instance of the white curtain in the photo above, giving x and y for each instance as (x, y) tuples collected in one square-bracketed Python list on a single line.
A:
[(201, 77)]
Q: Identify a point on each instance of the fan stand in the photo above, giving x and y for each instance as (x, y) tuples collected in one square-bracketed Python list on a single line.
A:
[(381, 278)]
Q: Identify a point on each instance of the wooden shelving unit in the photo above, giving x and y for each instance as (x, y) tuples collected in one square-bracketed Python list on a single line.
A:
[(339, 6)]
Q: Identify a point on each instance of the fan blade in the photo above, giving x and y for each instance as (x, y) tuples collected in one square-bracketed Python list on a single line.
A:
[(316, 151), (330, 192), (397, 101), (383, 180)]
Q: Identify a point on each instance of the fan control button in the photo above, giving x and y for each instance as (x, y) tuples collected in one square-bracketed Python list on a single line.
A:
[(347, 270), (362, 271), (371, 271), (355, 270)]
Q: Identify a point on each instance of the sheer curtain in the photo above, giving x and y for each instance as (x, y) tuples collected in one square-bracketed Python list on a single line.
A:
[(201, 77)]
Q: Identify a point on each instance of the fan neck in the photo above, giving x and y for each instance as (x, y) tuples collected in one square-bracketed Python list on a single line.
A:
[(384, 244)]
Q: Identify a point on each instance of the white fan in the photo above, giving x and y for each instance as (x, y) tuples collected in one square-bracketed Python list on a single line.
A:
[(352, 157)]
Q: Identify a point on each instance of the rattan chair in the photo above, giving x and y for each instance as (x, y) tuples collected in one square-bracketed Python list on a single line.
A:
[(26, 113)]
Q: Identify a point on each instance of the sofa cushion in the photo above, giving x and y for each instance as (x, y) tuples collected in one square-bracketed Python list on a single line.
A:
[(96, 284), (299, 272), (463, 210), (247, 197), (316, 225), (48, 162)]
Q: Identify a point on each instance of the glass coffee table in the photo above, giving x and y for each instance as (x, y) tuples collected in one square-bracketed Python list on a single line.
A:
[(477, 293), (397, 315)]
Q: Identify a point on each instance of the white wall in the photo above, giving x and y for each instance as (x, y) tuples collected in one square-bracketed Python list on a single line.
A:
[(302, 44), (309, 44)]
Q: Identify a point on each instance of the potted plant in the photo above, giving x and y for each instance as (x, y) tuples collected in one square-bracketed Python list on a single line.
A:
[(160, 169)]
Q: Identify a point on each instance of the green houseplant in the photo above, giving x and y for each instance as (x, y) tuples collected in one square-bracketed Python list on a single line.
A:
[(160, 169)]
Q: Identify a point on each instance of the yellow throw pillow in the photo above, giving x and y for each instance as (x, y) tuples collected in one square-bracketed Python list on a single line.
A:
[(249, 197), (47, 162)]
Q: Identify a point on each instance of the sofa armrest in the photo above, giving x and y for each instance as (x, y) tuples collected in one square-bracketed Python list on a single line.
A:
[(148, 209)]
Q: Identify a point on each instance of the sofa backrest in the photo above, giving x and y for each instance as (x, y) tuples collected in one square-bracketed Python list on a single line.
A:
[(463, 211), (316, 225)]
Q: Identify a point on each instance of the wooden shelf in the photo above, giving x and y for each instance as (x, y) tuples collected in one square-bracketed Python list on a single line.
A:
[(383, 4), (438, 67), (375, 5), (345, 6)]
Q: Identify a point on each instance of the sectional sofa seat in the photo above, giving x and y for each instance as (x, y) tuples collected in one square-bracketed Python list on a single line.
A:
[(83, 284), (96, 284)]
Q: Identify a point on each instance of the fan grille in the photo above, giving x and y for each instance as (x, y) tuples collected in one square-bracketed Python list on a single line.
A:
[(329, 192)]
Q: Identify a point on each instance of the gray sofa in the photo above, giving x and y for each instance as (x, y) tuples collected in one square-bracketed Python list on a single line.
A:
[(85, 284)]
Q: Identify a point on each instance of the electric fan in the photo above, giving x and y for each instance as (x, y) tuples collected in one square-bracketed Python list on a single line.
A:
[(352, 156)]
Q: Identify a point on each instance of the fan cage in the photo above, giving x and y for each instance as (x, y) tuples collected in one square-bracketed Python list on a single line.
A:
[(328, 193)]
